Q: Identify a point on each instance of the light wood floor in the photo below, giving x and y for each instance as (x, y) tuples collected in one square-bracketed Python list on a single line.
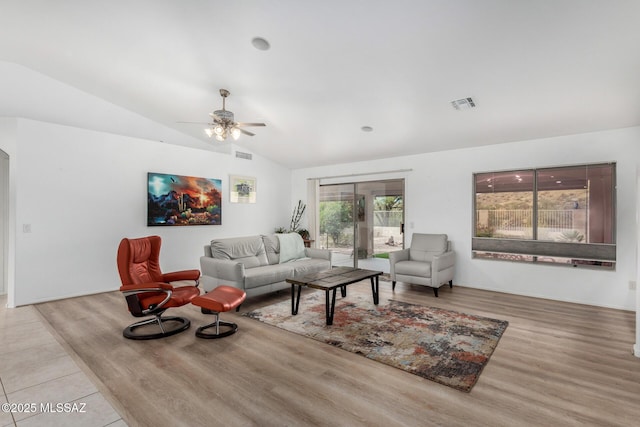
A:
[(557, 364)]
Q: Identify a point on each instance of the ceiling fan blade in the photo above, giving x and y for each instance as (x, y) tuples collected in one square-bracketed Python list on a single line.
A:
[(198, 123), (249, 124), (246, 132)]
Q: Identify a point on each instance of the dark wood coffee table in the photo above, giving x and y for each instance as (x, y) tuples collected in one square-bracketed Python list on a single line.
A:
[(331, 280)]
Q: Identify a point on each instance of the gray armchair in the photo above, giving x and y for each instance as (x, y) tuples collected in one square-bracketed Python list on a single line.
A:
[(428, 262)]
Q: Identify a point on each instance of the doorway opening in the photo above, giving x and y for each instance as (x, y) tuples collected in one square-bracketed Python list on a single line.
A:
[(4, 221), (361, 223)]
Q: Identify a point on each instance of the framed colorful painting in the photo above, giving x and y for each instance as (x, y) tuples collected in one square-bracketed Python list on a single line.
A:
[(183, 200), (242, 189)]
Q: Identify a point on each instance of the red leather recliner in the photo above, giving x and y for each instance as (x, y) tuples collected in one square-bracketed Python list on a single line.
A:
[(148, 291)]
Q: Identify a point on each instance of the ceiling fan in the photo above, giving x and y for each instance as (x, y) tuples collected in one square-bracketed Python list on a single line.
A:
[(223, 123)]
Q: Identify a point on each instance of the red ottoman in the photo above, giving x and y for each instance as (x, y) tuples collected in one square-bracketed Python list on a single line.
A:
[(221, 299)]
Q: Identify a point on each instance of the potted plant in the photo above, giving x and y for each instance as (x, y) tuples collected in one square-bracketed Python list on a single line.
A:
[(294, 225), (304, 233), (296, 216)]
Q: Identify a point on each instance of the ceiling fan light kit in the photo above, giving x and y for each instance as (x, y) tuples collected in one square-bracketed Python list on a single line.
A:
[(224, 124)]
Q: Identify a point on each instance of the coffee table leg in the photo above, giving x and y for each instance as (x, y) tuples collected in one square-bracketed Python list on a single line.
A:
[(330, 308), (343, 291), (295, 301), (374, 290)]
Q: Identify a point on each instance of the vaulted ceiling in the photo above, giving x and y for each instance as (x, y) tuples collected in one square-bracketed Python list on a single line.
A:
[(535, 68)]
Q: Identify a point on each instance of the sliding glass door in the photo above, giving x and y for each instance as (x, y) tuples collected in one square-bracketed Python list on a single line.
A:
[(336, 222), (362, 222)]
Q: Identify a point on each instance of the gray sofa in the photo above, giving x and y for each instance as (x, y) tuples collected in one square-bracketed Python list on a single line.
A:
[(254, 265)]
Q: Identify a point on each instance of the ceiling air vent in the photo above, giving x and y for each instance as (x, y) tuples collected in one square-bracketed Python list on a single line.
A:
[(241, 155), (463, 104)]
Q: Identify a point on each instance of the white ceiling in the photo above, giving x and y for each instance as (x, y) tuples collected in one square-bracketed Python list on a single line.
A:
[(535, 68)]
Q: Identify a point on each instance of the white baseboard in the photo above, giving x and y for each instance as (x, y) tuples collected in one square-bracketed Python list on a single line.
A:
[(636, 350)]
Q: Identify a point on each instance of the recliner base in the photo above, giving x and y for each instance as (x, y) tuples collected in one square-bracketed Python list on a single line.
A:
[(232, 328), (182, 325)]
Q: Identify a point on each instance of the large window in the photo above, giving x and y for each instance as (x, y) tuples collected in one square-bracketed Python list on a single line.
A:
[(561, 215)]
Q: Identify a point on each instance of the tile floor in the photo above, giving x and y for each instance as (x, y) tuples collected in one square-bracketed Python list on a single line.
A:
[(36, 374)]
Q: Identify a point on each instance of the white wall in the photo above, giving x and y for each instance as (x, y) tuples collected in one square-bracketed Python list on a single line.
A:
[(636, 347), (82, 191), (439, 199), (4, 219), (31, 95)]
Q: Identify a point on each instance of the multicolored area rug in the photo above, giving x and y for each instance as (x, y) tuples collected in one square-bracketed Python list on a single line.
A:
[(444, 346)]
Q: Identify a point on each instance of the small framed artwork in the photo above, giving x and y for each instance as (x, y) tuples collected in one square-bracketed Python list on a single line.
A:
[(183, 200), (242, 189)]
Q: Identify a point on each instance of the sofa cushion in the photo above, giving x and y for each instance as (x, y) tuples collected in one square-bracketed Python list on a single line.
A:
[(272, 247), (291, 247), (249, 251), (425, 246), (309, 265), (267, 274)]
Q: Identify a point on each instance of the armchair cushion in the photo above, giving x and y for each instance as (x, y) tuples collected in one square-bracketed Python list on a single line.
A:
[(413, 268), (425, 246), (179, 296)]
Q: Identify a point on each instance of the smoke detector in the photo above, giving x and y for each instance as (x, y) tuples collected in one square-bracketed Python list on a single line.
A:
[(463, 104)]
